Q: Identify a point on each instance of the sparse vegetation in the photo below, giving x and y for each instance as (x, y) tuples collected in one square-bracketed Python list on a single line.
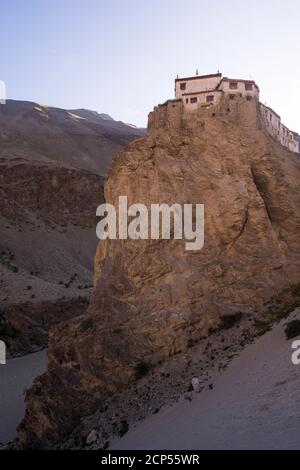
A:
[(191, 343), (2, 310), (229, 321), (87, 324), (83, 441), (70, 282), (124, 426), (141, 370), (6, 260), (117, 331), (278, 307), (106, 445), (295, 289), (284, 303), (292, 329), (261, 326), (7, 331)]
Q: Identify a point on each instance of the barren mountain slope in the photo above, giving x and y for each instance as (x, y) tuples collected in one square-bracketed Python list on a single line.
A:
[(50, 187), (47, 245), (80, 138)]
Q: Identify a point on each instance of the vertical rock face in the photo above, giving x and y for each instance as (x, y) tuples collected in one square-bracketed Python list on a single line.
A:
[(152, 297)]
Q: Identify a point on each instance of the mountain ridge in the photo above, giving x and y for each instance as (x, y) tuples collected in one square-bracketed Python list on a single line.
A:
[(84, 140)]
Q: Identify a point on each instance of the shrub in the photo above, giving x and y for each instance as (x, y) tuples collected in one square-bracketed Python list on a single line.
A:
[(292, 329), (7, 331), (284, 303), (2, 311), (6, 261), (228, 321), (123, 428), (295, 289), (117, 331), (87, 324), (191, 343), (262, 326), (141, 370)]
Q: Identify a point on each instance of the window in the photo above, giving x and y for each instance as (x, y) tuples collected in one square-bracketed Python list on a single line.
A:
[(248, 86), (186, 100), (182, 86), (249, 98), (194, 100), (210, 98), (233, 85), (231, 97)]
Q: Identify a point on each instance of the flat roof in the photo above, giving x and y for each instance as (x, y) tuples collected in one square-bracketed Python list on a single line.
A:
[(214, 75), (197, 77), (226, 79)]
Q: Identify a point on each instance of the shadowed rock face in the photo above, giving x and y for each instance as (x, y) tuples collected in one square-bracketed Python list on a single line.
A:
[(51, 162), (47, 230), (152, 298)]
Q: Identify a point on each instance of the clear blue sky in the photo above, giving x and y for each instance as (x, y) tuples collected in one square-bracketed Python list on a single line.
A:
[(121, 56)]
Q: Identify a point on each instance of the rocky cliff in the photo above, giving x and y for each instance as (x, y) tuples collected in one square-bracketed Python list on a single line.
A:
[(152, 299)]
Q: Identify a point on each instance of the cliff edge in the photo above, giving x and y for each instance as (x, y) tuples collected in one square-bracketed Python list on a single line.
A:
[(152, 298)]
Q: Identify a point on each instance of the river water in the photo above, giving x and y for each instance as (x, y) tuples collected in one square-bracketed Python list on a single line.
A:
[(15, 377)]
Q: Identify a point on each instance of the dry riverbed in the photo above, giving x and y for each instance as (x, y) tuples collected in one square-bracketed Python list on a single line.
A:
[(16, 376)]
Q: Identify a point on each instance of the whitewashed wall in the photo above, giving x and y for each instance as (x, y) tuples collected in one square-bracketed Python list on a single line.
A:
[(241, 88), (195, 84), (278, 130)]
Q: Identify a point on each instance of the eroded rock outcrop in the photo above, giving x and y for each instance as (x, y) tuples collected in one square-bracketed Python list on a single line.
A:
[(152, 298), (24, 327)]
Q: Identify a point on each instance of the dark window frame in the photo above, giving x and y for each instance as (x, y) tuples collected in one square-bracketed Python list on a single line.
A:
[(249, 86), (233, 85)]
